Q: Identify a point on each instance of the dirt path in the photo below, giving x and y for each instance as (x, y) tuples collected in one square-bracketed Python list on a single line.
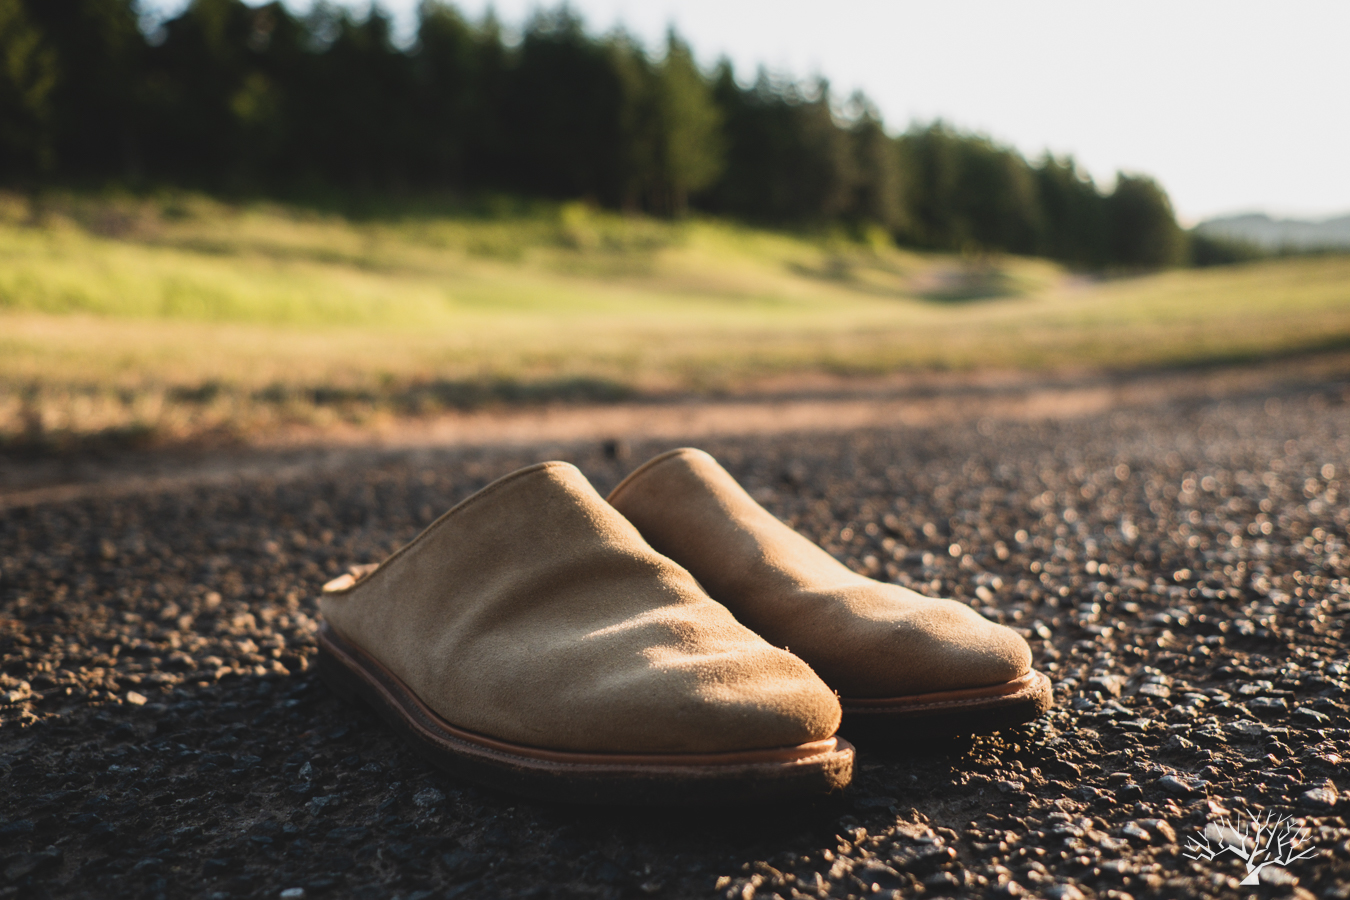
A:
[(1174, 550), (821, 407)]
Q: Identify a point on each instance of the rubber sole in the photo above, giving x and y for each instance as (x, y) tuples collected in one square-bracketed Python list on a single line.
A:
[(973, 711), (781, 773)]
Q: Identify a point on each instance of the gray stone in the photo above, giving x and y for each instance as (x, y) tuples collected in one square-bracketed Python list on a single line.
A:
[(1118, 868), (1310, 716), (17, 829), (1321, 798), (942, 881), (24, 864), (1278, 877), (1136, 832), (1267, 707), (1182, 786), (1159, 829), (427, 797), (1106, 684), (318, 804), (878, 876)]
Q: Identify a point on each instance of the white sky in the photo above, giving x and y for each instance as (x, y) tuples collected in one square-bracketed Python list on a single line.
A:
[(1233, 105)]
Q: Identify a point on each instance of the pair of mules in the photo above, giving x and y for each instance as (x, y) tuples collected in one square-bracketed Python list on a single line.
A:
[(675, 643)]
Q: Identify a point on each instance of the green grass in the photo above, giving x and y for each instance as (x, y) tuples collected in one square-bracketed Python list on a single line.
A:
[(174, 316)]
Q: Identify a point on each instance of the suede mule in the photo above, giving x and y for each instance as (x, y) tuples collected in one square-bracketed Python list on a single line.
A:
[(531, 640), (896, 658)]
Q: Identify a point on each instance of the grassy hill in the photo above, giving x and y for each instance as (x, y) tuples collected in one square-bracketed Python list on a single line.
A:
[(178, 315)]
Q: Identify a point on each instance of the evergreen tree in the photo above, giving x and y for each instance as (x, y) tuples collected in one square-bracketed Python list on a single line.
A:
[(448, 74), (209, 91), (638, 174), (787, 159), (1074, 226), (28, 74), (1143, 229), (96, 128), (359, 106), (689, 129), (932, 158), (997, 197), (561, 115), (456, 68), (878, 188)]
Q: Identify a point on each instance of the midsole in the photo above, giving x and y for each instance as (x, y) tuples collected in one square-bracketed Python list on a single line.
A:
[(1031, 684), (398, 696)]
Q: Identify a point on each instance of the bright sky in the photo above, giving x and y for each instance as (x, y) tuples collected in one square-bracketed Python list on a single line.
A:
[(1233, 105)]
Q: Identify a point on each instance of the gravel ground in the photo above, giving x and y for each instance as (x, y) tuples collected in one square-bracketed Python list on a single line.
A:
[(1180, 570)]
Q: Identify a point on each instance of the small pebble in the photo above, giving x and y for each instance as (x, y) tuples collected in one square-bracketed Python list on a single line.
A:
[(427, 797), (1311, 716), (1320, 798), (1160, 829), (1064, 892), (1106, 684), (1182, 786), (1134, 831)]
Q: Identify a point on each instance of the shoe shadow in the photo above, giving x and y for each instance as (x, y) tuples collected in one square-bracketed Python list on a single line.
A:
[(256, 784)]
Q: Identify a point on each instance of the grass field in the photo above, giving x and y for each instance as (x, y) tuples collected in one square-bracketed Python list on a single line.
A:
[(177, 316)]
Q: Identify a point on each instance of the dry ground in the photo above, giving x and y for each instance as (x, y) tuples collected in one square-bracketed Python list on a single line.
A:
[(1175, 550)]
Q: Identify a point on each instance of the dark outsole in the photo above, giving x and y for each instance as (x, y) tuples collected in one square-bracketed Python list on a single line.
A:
[(952, 713), (620, 780)]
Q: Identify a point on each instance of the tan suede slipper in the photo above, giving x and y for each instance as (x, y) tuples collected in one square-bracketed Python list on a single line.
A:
[(531, 640), (927, 666)]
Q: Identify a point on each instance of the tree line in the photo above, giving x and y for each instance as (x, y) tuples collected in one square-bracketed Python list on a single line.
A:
[(229, 97)]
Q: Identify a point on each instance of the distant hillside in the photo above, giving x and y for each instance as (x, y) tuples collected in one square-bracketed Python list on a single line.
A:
[(1276, 234)]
